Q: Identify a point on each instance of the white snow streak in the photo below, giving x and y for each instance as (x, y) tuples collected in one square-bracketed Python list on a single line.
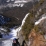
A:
[(14, 31), (43, 17), (8, 1), (18, 5), (20, 1)]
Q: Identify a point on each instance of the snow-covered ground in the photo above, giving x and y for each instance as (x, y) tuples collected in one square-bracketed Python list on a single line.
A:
[(13, 34), (7, 42)]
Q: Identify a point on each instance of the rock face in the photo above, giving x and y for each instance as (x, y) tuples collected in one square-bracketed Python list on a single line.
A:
[(37, 39)]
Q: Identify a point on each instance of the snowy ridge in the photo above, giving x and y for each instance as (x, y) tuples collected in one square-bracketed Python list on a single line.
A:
[(23, 21), (14, 31), (43, 17)]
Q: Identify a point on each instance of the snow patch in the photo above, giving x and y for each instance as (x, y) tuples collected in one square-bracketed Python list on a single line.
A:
[(21, 5), (12, 0), (20, 1), (7, 42), (14, 32), (8, 1), (43, 17)]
